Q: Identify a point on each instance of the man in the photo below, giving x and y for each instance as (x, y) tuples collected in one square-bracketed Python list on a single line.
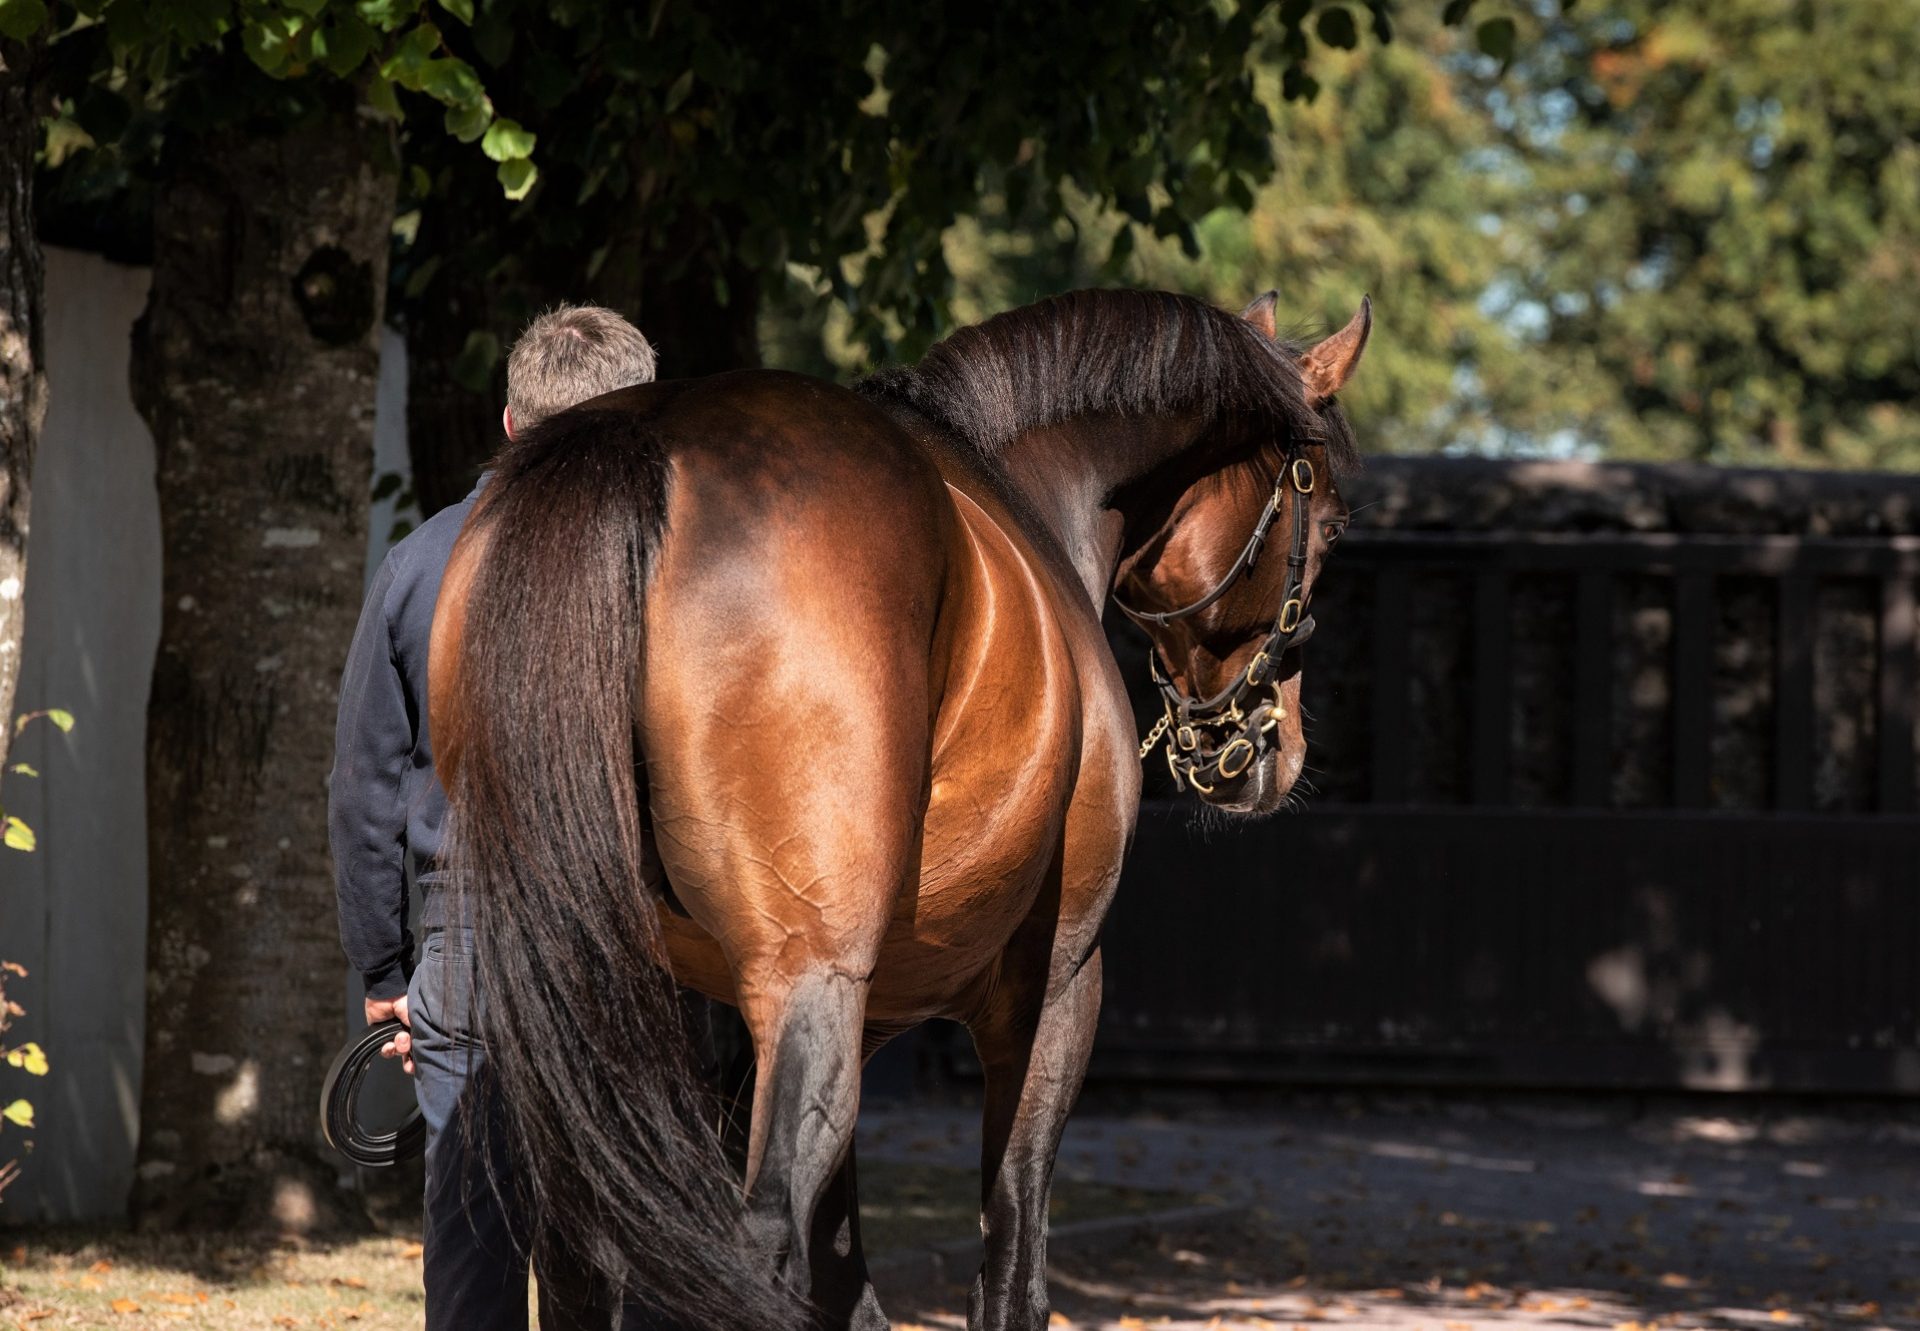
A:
[(385, 814)]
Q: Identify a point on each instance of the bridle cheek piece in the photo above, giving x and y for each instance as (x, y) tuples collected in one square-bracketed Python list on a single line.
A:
[(1214, 739)]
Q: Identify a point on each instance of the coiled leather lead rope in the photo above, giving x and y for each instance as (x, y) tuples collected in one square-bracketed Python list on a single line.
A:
[(340, 1102)]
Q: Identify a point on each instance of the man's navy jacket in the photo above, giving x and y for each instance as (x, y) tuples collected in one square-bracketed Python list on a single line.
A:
[(384, 802)]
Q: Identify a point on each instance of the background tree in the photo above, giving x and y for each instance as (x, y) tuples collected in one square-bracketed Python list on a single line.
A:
[(1376, 189), (255, 368), (1716, 234), (23, 385), (261, 140), (704, 171)]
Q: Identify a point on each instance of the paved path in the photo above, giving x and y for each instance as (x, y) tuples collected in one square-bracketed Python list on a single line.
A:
[(1497, 1212)]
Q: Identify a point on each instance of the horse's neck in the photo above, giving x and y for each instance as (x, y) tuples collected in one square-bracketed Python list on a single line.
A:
[(1072, 473)]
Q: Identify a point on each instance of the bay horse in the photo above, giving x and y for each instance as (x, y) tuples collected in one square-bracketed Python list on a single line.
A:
[(799, 696)]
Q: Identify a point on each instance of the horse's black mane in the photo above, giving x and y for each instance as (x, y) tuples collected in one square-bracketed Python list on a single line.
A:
[(1120, 352)]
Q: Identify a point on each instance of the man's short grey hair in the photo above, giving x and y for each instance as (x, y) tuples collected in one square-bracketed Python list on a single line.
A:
[(569, 354)]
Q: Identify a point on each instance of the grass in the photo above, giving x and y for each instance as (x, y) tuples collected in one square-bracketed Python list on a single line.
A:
[(220, 1282), (121, 1281)]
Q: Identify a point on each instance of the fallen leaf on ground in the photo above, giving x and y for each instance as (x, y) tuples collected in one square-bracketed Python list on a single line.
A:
[(124, 1306)]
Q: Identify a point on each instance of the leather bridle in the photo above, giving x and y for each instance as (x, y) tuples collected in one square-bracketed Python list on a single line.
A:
[(1218, 738)]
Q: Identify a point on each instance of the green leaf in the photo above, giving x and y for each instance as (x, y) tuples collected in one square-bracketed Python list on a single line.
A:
[(383, 99), (387, 15), (23, 769), (423, 276), (348, 43), (453, 82), (467, 123), (30, 1058), (61, 717), (506, 141), (1496, 38), (493, 37), (472, 369), (678, 93), (407, 66), (517, 177), (20, 18), (18, 836), (19, 1113), (1456, 11), (460, 9), (1337, 29)]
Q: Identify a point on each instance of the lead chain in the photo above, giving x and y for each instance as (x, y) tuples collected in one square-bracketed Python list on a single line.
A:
[(1153, 736)]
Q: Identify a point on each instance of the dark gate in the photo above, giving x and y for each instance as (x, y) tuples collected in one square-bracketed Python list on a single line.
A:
[(1610, 809)]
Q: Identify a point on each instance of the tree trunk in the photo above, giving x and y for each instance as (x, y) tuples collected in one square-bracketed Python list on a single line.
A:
[(255, 366), (23, 380)]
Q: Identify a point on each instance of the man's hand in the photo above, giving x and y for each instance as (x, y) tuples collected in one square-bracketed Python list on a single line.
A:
[(401, 1045)]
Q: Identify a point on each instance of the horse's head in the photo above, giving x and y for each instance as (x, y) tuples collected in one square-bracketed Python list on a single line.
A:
[(1224, 582)]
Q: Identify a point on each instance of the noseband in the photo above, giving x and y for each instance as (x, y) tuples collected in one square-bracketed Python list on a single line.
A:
[(1218, 738)]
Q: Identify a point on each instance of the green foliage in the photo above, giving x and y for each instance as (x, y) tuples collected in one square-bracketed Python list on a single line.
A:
[(14, 832), (714, 150), (20, 18), (59, 717), (29, 1058), (1683, 231), (1375, 190), (123, 69), (839, 142), (1715, 229)]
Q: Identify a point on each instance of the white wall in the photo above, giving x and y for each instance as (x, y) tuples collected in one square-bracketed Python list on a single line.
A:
[(74, 911)]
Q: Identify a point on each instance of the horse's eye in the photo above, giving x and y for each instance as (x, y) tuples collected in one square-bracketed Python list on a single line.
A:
[(1332, 531)]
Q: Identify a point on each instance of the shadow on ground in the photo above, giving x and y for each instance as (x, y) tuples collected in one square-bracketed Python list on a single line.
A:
[(1488, 1213)]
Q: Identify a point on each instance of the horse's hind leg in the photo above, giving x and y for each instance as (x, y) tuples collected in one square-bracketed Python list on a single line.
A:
[(806, 1098), (841, 1287), (1034, 1051)]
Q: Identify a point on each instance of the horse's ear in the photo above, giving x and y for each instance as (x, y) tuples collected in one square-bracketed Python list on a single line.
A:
[(1326, 366), (1260, 314)]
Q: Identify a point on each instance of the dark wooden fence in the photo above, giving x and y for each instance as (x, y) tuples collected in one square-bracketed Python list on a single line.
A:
[(1706, 878)]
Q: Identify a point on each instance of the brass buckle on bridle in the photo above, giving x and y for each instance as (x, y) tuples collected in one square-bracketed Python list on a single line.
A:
[(1240, 745), (1224, 709)]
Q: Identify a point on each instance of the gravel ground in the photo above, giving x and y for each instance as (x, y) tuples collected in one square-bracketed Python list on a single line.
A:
[(1456, 1214), (1453, 1214)]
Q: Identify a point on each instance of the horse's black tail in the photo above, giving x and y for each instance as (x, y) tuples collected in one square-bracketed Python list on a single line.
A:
[(612, 1134)]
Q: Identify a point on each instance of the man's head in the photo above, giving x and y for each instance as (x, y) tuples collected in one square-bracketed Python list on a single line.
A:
[(567, 355)]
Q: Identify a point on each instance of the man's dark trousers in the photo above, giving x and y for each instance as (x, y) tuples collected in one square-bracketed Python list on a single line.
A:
[(476, 1240)]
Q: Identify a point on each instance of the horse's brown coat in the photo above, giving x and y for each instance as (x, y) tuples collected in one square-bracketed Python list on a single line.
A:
[(890, 765)]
